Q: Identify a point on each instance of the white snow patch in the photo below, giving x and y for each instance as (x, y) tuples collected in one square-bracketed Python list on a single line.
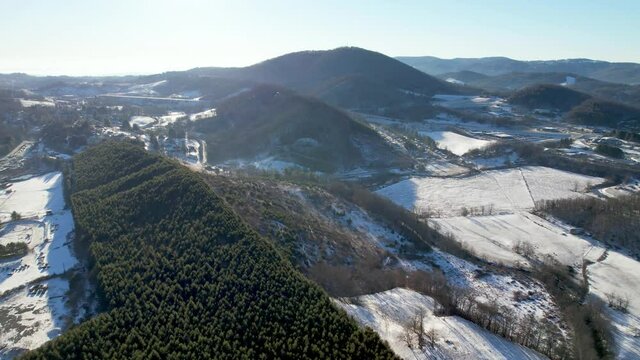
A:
[(171, 117), (454, 142), (203, 115), (142, 121), (33, 197), (30, 103), (454, 81)]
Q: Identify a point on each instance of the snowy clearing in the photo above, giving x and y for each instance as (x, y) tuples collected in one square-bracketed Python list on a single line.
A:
[(494, 238), (170, 118), (456, 338), (33, 197), (142, 121), (30, 103), (203, 115), (499, 191), (454, 142), (31, 302), (145, 89), (619, 274), (32, 316)]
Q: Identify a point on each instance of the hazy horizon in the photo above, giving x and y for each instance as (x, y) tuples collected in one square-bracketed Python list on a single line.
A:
[(107, 38), (231, 66)]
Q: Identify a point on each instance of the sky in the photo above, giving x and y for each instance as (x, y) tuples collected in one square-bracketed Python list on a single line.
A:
[(116, 37)]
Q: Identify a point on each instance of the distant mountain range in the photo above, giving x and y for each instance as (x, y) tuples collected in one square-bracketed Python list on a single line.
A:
[(623, 73), (347, 77), (362, 80), (507, 83)]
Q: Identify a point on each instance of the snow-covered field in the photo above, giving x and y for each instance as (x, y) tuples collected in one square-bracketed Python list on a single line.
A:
[(507, 197), (619, 274), (145, 89), (454, 142), (30, 103), (171, 117), (142, 121), (33, 197), (31, 307), (494, 238), (500, 191), (498, 289), (203, 115), (455, 338), (31, 318)]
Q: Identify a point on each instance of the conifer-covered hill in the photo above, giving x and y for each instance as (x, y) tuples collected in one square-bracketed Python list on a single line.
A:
[(274, 121), (548, 96), (347, 77), (182, 277)]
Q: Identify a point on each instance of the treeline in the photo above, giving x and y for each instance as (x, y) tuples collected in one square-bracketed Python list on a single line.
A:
[(535, 154), (13, 249), (182, 277), (626, 135), (610, 151), (10, 137), (589, 335), (406, 223), (612, 220)]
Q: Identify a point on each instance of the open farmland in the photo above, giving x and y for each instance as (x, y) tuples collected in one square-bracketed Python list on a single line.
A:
[(499, 191)]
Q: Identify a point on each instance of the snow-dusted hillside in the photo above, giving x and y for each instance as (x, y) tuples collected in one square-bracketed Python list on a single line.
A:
[(454, 338)]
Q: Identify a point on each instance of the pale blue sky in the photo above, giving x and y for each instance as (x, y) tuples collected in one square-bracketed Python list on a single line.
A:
[(80, 37)]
